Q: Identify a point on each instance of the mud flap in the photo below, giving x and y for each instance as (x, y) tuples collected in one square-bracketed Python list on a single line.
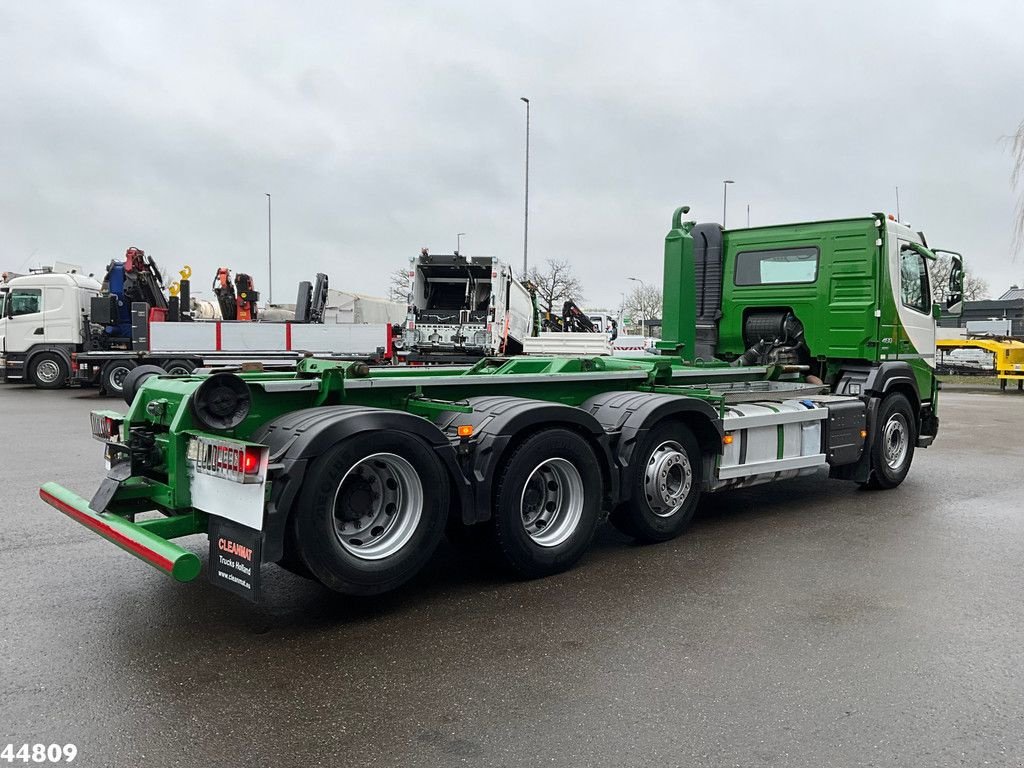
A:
[(235, 558), (105, 493)]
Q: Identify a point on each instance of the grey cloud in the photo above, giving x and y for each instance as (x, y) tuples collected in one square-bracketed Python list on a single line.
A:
[(381, 128)]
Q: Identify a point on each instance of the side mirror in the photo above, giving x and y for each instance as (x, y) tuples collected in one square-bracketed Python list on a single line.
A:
[(955, 289)]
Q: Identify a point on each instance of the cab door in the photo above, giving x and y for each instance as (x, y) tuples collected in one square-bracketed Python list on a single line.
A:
[(59, 316), (914, 306), (24, 320)]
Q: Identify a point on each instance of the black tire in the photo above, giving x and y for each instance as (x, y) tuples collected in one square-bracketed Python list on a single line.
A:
[(664, 485), (892, 445), (113, 374), (179, 367), (347, 482), (136, 378), (49, 370), (528, 543)]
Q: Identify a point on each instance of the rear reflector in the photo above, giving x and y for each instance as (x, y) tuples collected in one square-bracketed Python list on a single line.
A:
[(106, 426), (229, 459)]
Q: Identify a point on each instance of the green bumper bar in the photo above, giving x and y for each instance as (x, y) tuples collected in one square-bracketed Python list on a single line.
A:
[(145, 545)]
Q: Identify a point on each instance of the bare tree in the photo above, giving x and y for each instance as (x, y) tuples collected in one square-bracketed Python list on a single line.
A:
[(645, 302), (555, 283), (400, 285), (975, 287)]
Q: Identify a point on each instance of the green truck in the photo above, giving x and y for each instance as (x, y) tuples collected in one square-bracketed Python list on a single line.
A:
[(787, 351)]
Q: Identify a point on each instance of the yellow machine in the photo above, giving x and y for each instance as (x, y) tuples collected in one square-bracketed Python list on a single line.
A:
[(1007, 356)]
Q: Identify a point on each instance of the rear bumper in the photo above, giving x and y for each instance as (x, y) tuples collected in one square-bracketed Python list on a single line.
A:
[(134, 538)]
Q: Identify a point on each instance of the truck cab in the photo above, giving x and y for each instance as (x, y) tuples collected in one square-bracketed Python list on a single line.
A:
[(41, 324), (848, 300)]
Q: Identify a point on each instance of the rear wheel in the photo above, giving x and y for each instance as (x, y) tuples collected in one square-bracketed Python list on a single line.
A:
[(892, 445), (547, 503), (371, 512), (664, 485), (113, 374), (179, 367), (49, 371)]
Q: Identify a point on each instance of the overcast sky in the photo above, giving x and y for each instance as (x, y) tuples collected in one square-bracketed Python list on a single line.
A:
[(380, 128)]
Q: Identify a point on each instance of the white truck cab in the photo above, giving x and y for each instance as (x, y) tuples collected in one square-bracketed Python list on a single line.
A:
[(41, 324)]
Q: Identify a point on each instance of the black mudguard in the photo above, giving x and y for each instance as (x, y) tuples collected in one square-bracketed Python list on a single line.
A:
[(501, 422), (299, 437), (628, 416)]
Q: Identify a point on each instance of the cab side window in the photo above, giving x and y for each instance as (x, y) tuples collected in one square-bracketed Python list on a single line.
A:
[(914, 289), (26, 301)]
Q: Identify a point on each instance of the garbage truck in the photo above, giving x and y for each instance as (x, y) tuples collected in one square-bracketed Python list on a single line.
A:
[(788, 350)]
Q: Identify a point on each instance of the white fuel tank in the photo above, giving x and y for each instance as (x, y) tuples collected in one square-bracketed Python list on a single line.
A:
[(767, 441)]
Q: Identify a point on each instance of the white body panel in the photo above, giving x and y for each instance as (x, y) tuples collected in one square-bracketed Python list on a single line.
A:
[(571, 344), (632, 346), (173, 337), (240, 502), (250, 336), (63, 301), (356, 339), (346, 338)]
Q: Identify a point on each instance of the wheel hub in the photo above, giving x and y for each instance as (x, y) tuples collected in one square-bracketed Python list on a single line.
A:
[(551, 504), (48, 371), (377, 506), (668, 479), (895, 441)]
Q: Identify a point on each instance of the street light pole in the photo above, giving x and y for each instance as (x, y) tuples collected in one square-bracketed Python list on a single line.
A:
[(458, 242), (526, 204), (270, 268), (725, 198)]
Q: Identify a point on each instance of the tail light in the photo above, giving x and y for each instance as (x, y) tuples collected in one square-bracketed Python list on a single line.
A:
[(106, 426), (232, 460)]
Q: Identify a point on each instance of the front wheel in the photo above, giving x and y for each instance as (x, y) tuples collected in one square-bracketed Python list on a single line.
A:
[(49, 371), (892, 445), (546, 503), (371, 512)]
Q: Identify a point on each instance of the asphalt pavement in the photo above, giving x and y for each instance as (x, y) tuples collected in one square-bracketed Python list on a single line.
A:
[(808, 623)]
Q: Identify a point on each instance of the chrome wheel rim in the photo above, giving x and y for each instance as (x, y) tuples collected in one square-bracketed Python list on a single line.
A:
[(117, 377), (377, 506), (896, 440), (551, 503), (48, 371), (668, 479)]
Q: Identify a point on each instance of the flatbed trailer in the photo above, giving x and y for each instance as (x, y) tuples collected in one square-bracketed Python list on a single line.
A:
[(1007, 357), (350, 475)]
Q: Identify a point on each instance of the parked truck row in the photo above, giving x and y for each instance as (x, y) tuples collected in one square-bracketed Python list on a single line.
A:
[(62, 327), (788, 350)]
